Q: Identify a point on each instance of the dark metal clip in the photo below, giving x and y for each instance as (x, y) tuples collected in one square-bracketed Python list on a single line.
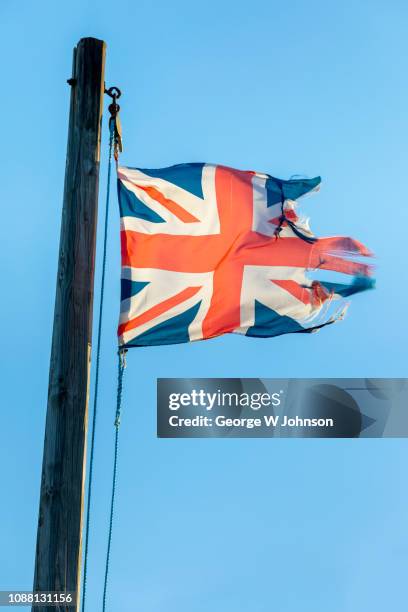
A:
[(114, 108)]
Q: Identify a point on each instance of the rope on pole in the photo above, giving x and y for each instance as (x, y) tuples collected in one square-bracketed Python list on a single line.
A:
[(115, 147), (121, 368), (97, 364)]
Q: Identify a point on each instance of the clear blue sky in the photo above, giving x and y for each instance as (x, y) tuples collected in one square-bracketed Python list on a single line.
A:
[(283, 87)]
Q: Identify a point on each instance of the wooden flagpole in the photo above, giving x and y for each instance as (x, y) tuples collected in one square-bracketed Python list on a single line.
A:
[(58, 554)]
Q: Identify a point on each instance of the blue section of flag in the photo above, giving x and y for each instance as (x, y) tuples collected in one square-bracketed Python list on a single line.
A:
[(172, 331), (186, 176), (360, 283), (269, 323), (289, 190), (128, 288), (131, 206)]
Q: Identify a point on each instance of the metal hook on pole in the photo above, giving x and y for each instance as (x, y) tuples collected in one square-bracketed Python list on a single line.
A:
[(114, 121)]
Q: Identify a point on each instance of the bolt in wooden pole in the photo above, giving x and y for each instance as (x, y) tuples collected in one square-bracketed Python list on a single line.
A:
[(58, 554)]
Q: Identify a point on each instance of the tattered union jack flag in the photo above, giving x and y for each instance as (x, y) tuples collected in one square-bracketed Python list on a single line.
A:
[(209, 250)]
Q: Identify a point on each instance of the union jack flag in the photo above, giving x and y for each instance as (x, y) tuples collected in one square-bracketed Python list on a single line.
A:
[(209, 250)]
